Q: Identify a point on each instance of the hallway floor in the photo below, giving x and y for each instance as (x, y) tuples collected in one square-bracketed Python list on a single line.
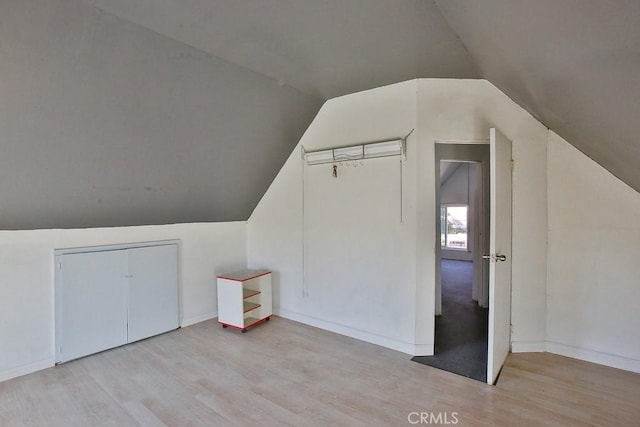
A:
[(461, 331)]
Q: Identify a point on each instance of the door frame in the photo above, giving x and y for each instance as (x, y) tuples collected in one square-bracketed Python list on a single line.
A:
[(465, 151)]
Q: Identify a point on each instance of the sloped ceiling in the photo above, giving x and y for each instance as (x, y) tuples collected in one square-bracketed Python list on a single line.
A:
[(573, 64), (131, 112), (325, 48), (140, 112), (447, 169)]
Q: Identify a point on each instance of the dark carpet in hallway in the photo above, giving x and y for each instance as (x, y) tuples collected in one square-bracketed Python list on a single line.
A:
[(461, 331)]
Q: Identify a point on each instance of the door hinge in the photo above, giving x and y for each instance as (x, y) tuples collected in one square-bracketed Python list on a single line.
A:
[(512, 165), (60, 266)]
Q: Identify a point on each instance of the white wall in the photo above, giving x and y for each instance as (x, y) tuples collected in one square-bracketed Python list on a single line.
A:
[(359, 270), (27, 280), (349, 221), (438, 110), (593, 261)]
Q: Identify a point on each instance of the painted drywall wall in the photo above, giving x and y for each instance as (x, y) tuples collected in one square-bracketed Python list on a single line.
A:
[(27, 280), (342, 258), (348, 221), (106, 123), (593, 269), (438, 110)]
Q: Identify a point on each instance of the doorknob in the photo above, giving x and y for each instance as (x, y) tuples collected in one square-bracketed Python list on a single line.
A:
[(495, 257)]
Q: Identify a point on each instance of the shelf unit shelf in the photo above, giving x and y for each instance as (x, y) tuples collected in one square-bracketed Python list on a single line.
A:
[(248, 293), (249, 306), (244, 298)]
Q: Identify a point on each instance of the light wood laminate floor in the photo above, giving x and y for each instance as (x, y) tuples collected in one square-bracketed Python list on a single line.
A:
[(286, 373)]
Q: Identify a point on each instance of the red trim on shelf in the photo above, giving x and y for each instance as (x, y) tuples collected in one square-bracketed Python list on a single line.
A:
[(246, 326), (256, 322), (252, 308), (230, 325), (243, 279)]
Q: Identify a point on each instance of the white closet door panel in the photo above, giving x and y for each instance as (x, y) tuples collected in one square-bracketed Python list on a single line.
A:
[(153, 291), (92, 304)]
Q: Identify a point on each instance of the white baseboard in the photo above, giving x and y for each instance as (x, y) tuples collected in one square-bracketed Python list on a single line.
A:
[(600, 358), (26, 369), (197, 319), (348, 331), (528, 346)]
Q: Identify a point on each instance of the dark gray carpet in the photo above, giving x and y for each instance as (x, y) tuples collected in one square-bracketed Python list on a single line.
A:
[(461, 331)]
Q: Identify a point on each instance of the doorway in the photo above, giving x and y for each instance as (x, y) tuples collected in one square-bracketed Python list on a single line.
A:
[(462, 285)]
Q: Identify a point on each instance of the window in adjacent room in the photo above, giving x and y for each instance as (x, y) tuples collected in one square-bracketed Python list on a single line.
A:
[(453, 226)]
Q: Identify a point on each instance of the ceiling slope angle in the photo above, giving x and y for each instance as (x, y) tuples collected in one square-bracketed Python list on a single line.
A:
[(573, 64), (325, 48), (106, 123)]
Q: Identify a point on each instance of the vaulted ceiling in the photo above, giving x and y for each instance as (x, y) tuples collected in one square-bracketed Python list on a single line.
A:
[(324, 48), (573, 64), (129, 112)]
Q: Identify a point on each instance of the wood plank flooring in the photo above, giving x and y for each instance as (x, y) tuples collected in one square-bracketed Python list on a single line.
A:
[(286, 373)]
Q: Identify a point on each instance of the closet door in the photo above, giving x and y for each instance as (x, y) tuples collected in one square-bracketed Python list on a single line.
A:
[(92, 303), (153, 291)]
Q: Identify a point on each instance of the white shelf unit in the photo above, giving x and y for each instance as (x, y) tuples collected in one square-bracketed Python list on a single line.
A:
[(244, 298)]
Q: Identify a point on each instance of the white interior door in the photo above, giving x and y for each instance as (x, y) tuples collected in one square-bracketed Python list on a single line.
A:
[(499, 257), (92, 303), (153, 291)]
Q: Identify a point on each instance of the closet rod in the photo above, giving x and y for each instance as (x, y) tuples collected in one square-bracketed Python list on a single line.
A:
[(337, 147)]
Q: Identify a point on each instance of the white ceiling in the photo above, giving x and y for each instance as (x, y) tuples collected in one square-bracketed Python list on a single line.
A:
[(447, 169)]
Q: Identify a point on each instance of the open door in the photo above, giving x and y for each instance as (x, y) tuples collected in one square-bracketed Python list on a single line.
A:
[(499, 257)]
